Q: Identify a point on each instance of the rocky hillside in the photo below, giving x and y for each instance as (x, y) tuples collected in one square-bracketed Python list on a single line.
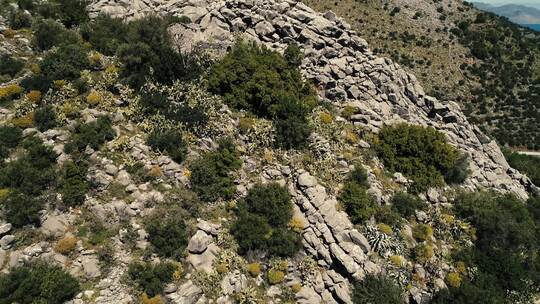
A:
[(242, 152), (482, 61)]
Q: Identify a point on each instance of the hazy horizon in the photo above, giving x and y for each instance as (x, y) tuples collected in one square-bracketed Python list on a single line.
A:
[(531, 3)]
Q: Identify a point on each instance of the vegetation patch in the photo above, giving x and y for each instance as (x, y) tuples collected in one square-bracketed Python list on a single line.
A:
[(151, 278), (420, 153), (377, 289)]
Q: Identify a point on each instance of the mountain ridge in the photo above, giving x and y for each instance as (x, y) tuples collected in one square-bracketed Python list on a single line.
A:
[(519, 14)]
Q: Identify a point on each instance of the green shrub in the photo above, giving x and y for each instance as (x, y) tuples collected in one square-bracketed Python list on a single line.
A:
[(270, 201), (10, 137), (45, 118), (262, 222), (359, 176), (18, 19), (210, 175), (151, 278), (66, 62), (263, 82), (167, 234), (420, 153), (34, 170), (38, 82), (92, 134), (357, 203), (71, 12), (376, 289), (387, 215), (507, 241), (21, 209), (148, 48), (406, 204), (254, 78), (169, 142), (527, 164), (49, 33), (9, 65), (105, 33), (480, 290), (40, 282), (73, 183), (251, 232), (422, 232)]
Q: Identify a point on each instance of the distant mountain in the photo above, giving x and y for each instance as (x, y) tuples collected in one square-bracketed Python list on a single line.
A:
[(520, 14)]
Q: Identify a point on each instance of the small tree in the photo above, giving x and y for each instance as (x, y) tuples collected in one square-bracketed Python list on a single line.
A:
[(169, 142), (167, 234), (73, 183), (376, 289)]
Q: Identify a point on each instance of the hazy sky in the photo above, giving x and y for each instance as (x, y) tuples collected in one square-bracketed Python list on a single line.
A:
[(533, 3)]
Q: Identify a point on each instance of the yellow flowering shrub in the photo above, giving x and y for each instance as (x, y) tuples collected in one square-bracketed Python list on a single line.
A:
[(34, 68), (351, 137), (95, 58), (348, 111), (222, 268), (9, 33), (58, 84), (3, 193), (34, 96), (245, 124), (422, 232), (94, 98), (461, 268), (296, 224), (66, 245), (10, 90), (453, 279), (145, 299), (275, 276), (26, 121), (326, 117), (423, 253), (385, 228), (397, 260), (254, 269), (296, 287)]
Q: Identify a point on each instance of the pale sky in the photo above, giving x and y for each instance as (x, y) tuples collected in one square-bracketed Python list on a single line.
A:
[(533, 3)]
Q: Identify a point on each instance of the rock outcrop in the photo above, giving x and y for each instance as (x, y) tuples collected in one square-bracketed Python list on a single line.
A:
[(340, 64)]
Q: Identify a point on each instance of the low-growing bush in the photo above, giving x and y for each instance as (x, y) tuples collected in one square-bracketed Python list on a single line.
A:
[(66, 245), (10, 92), (422, 232), (73, 184), (527, 164), (210, 175), (19, 19), (9, 65), (21, 209), (420, 153), (66, 62), (262, 222), (105, 33), (92, 134), (45, 118), (406, 204), (357, 202), (376, 289), (37, 82), (167, 234), (275, 276), (49, 33), (33, 171), (40, 282), (151, 278), (10, 137), (169, 142), (386, 215), (71, 12)]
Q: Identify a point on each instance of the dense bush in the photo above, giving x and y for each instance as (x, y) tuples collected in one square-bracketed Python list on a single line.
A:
[(262, 221), (71, 12), (9, 65), (37, 82), (529, 165), (73, 184), (19, 19), (105, 33), (272, 202), (92, 134), (49, 33), (420, 153), (151, 278), (357, 202), (21, 209), (169, 142), (40, 282), (406, 204), (256, 79), (210, 175), (167, 234), (45, 118), (10, 137), (506, 250), (376, 289), (66, 62), (33, 171)]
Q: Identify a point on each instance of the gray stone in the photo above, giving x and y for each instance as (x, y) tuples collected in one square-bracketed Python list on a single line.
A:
[(264, 28), (307, 296), (360, 240), (90, 265), (306, 180), (5, 228), (6, 241), (205, 260), (199, 242)]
